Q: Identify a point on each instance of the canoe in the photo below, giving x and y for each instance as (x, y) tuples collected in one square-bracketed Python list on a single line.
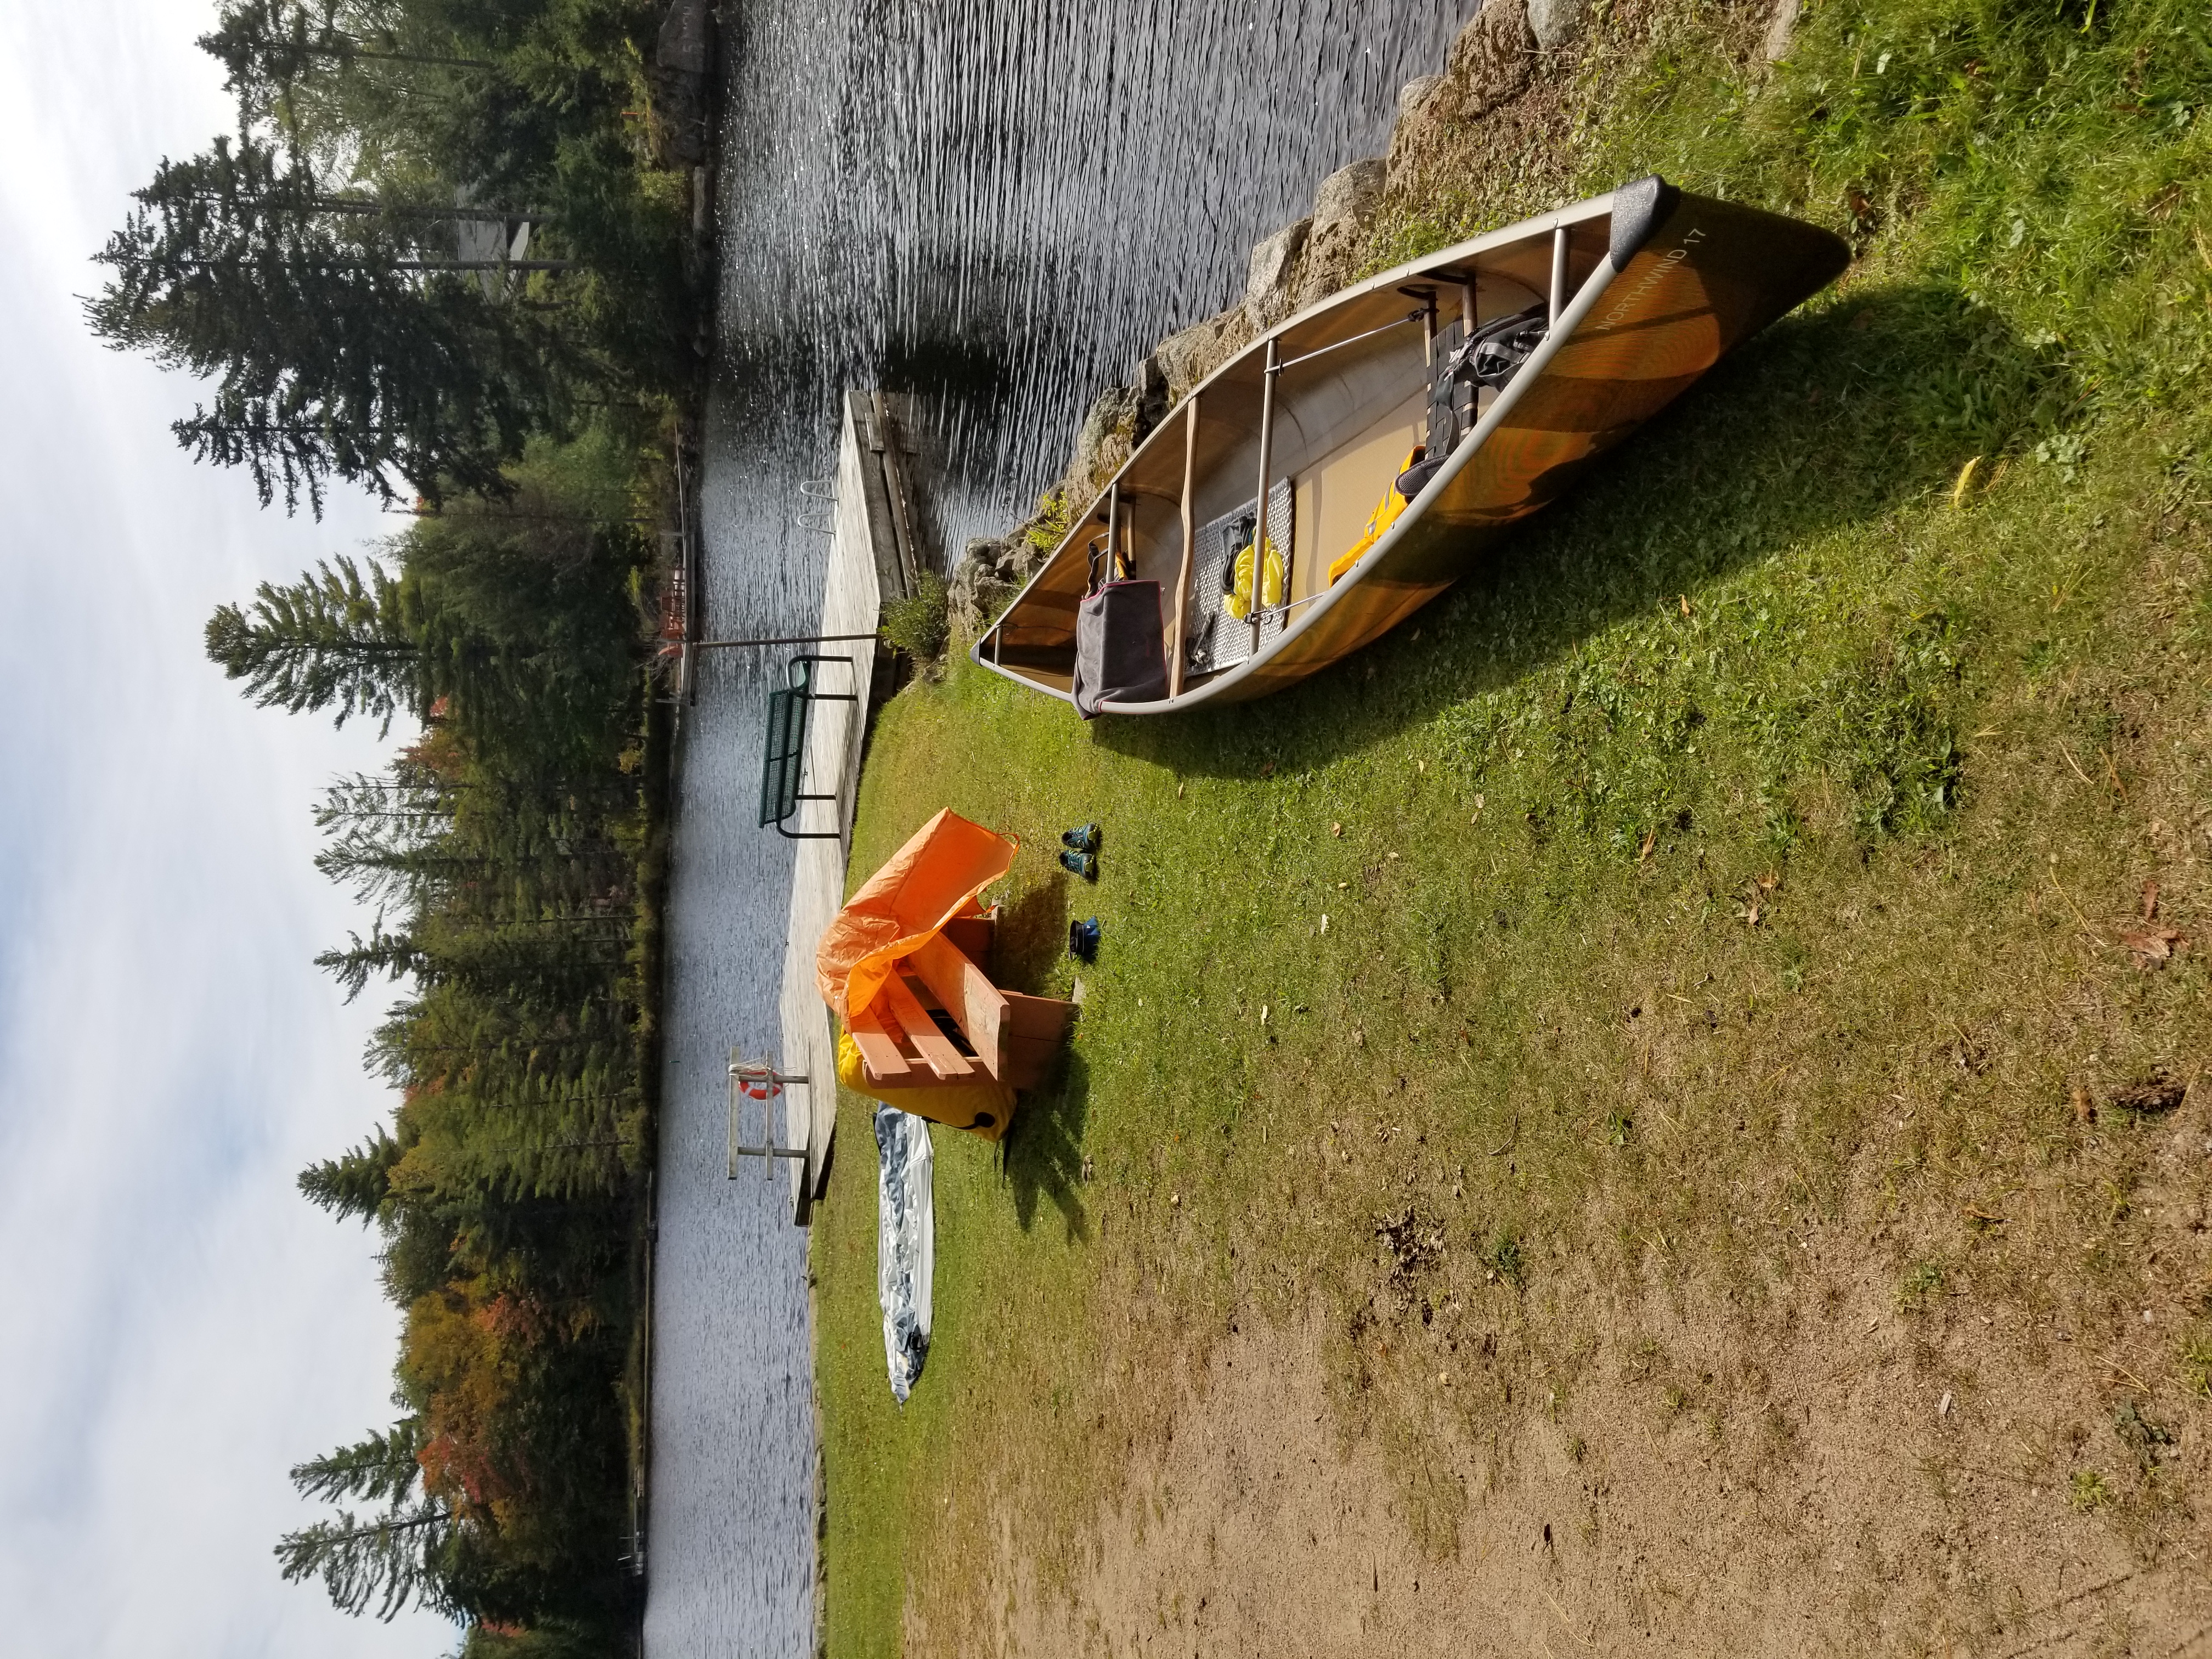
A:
[(1459, 392)]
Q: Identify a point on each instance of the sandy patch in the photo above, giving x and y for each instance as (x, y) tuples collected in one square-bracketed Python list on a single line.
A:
[(1848, 1516)]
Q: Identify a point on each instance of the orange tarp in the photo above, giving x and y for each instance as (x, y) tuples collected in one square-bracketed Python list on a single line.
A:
[(933, 878)]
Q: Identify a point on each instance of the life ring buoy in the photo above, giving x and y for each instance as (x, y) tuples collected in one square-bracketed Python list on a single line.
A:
[(755, 1085)]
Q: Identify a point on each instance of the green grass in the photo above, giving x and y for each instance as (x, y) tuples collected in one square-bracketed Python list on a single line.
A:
[(1731, 877)]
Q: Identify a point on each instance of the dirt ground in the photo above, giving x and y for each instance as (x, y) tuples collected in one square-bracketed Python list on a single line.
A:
[(1870, 1490)]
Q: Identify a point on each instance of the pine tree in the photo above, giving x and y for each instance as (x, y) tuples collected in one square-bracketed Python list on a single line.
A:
[(358, 1182), (390, 954), (265, 43), (332, 638), (403, 1557), (339, 349)]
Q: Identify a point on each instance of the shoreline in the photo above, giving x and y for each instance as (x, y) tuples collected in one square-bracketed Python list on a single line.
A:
[(693, 37)]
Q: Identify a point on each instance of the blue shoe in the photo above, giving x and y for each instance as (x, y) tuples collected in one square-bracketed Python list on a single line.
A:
[(1083, 838), (1083, 939), (1084, 864)]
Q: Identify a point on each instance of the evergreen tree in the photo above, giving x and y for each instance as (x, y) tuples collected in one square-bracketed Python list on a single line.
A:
[(338, 348), (357, 1183), (273, 42), (390, 954), (332, 638), (405, 1556)]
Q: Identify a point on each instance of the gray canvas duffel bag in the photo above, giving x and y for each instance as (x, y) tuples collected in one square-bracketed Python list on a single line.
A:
[(1119, 655)]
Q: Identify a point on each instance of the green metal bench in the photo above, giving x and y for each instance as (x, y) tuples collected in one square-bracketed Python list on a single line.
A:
[(790, 708)]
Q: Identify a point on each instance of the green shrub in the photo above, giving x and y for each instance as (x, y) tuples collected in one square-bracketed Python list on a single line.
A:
[(919, 624)]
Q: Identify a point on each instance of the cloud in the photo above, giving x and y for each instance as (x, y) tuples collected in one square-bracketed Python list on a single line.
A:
[(182, 1327)]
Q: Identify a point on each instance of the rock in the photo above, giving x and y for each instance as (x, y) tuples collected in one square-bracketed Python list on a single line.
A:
[(1350, 195), (982, 582), (1417, 92), (1101, 444), (1493, 60), (1555, 23), (1268, 278), (1189, 357), (687, 38), (1438, 143), (1780, 30), (1343, 209), (1149, 385)]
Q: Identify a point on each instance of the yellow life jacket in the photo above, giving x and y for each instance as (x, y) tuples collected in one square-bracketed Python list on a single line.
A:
[(1385, 514), (1239, 602)]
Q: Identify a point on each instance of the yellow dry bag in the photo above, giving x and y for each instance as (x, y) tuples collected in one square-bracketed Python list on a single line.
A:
[(1239, 603)]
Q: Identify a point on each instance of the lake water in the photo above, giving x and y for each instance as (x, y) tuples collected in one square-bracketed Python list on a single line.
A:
[(999, 210)]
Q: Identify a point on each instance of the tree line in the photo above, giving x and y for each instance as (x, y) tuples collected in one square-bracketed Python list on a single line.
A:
[(505, 856), (437, 259), (344, 270)]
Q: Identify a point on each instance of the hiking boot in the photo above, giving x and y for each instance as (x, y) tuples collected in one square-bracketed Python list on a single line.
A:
[(1084, 864), (1083, 838)]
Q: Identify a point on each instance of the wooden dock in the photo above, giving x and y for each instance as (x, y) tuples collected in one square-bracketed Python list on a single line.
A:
[(872, 558)]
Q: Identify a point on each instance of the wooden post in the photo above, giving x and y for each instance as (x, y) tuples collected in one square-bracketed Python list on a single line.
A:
[(1189, 545), (1267, 462)]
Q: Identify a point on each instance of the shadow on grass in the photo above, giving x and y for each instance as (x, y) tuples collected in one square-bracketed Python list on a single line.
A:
[(1044, 1147), (1822, 421), (1032, 934)]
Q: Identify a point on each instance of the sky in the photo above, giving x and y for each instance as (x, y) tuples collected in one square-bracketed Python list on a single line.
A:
[(178, 1326)]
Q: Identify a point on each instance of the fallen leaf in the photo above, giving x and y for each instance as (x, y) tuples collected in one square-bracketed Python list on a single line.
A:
[(1975, 1212), (2156, 1092), (1751, 916), (1336, 829), (1178, 791), (2150, 901), (2085, 1109), (1965, 482), (1268, 770), (1649, 842), (2153, 945), (1683, 600), (1768, 883)]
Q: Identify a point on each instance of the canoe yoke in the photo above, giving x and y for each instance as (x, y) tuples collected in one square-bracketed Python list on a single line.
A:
[(789, 709), (939, 1022)]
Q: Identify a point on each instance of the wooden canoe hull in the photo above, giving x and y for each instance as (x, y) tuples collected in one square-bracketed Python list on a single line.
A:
[(1674, 281)]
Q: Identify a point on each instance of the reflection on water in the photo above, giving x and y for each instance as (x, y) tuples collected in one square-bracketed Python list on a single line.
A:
[(999, 213)]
